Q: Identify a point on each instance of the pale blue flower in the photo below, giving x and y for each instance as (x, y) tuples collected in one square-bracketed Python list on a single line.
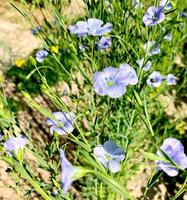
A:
[(165, 4), (104, 43), (183, 14), (145, 66), (41, 55), (151, 48), (69, 172), (175, 150), (168, 37), (110, 155), (80, 28), (96, 27), (153, 16), (131, 73), (111, 82), (155, 79), (63, 124), (14, 144), (171, 79), (92, 27)]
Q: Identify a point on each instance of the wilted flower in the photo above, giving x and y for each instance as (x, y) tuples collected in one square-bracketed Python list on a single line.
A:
[(69, 172), (111, 82), (41, 55), (110, 155), (153, 16), (92, 27), (20, 62), (155, 79), (63, 124), (145, 66), (175, 150), (151, 48), (171, 79), (36, 30), (168, 37), (131, 73), (104, 43), (165, 4), (183, 14), (14, 144)]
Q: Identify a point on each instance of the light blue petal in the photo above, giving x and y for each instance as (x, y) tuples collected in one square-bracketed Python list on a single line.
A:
[(114, 166), (110, 146)]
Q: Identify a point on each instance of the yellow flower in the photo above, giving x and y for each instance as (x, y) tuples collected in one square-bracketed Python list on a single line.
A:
[(54, 49), (1, 78), (20, 62), (181, 127)]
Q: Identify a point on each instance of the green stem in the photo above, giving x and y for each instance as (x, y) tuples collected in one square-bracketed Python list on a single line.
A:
[(20, 169)]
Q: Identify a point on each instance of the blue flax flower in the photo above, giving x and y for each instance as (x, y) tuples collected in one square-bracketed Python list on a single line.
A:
[(63, 124), (80, 28), (145, 66), (151, 48), (183, 14), (12, 145), (111, 82), (175, 150), (110, 155), (165, 4), (92, 27), (131, 73), (104, 43), (153, 16), (171, 79), (41, 55), (69, 172), (155, 79)]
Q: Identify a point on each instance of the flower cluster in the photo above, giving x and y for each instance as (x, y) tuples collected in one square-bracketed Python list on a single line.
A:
[(113, 81)]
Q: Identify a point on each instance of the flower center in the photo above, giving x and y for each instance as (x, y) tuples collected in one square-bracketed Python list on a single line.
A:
[(155, 18), (108, 157), (109, 81)]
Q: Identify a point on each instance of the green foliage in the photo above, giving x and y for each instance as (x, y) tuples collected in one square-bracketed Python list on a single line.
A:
[(137, 122)]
